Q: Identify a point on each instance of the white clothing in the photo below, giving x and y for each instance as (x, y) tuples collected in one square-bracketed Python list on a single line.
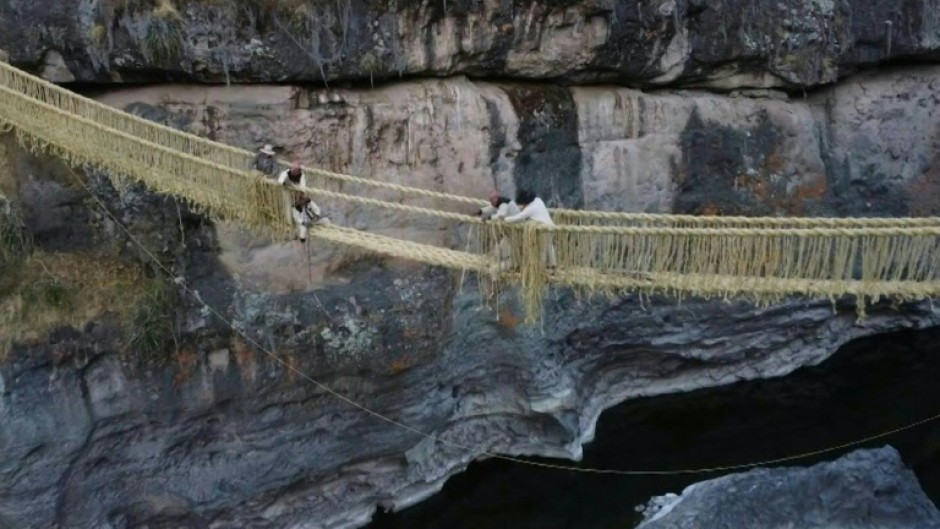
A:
[(282, 178), (309, 214), (506, 209), (536, 212)]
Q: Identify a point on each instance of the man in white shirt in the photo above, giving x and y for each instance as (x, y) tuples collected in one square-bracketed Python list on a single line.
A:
[(500, 208), (304, 211), (534, 209)]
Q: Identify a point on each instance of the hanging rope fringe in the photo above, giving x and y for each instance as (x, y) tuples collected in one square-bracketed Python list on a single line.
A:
[(430, 436), (762, 259)]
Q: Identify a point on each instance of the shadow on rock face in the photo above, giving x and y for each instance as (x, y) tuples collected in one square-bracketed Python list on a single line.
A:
[(715, 177), (164, 511), (549, 163)]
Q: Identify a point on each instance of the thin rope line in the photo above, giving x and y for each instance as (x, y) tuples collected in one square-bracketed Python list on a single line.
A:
[(584, 470)]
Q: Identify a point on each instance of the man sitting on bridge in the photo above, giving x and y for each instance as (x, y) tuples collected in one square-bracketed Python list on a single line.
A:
[(304, 211)]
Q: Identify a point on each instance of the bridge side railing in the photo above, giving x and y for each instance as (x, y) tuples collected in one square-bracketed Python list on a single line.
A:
[(240, 160), (763, 258)]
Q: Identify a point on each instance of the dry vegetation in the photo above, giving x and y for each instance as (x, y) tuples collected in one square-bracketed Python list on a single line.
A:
[(45, 291)]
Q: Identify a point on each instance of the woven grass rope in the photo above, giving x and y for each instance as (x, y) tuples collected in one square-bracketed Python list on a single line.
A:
[(762, 259)]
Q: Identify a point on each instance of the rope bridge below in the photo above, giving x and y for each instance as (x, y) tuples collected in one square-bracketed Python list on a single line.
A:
[(763, 259)]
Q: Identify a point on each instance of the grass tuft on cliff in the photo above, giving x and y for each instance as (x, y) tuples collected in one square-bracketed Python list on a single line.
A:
[(42, 292), (15, 239), (151, 330)]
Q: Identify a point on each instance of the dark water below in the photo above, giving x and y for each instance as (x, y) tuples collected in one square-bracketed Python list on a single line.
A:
[(869, 386)]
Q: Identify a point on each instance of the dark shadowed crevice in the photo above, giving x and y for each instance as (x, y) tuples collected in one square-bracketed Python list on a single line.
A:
[(549, 163), (871, 385)]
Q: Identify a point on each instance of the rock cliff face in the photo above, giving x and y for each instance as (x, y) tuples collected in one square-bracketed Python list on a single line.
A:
[(723, 44), (124, 403), (868, 147), (865, 489), (204, 431)]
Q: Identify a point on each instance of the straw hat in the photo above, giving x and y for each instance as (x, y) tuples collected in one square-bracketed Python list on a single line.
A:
[(267, 149)]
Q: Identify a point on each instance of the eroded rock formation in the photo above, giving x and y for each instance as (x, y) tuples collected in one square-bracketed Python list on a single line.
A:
[(723, 44), (210, 432), (864, 489), (107, 424)]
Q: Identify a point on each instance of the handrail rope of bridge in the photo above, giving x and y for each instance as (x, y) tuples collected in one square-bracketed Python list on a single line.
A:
[(422, 255), (450, 215), (435, 438), (846, 231), (604, 215), (235, 150), (766, 221), (625, 230)]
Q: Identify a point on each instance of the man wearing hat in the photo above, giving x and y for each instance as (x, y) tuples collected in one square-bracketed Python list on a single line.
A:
[(304, 211), (265, 161)]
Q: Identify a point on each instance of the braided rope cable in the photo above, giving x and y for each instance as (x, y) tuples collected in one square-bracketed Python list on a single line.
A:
[(892, 256), (847, 231), (476, 450), (239, 159), (532, 279), (425, 253)]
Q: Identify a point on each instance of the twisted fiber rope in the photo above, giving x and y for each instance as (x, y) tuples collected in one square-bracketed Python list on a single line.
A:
[(235, 158), (846, 231), (159, 184), (450, 215), (425, 253), (714, 252), (460, 446), (575, 214), (238, 159)]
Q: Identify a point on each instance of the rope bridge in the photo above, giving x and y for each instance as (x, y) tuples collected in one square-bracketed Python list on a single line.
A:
[(763, 259)]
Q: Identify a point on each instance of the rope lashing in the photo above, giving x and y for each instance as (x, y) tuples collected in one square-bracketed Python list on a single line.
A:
[(761, 259), (239, 159), (289, 366)]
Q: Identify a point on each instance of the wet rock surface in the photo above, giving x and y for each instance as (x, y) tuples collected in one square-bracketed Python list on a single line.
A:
[(727, 44), (864, 489)]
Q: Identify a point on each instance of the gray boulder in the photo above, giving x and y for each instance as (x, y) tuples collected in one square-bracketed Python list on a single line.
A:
[(866, 489)]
